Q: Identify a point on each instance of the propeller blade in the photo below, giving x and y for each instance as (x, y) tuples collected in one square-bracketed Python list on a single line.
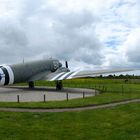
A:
[(66, 62)]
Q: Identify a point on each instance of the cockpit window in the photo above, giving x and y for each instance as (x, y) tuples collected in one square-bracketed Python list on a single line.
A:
[(55, 65)]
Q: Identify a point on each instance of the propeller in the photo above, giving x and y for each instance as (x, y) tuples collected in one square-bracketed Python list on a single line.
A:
[(0, 77), (66, 63)]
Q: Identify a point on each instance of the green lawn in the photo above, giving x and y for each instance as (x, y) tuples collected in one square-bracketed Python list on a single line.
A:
[(111, 89), (118, 123), (99, 99), (102, 84)]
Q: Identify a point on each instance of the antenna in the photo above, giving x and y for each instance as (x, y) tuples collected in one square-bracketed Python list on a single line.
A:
[(23, 60)]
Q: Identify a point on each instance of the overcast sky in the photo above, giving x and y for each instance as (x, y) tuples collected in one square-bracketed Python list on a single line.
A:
[(88, 33)]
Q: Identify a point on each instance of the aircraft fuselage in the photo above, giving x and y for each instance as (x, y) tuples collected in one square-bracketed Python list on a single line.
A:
[(18, 73)]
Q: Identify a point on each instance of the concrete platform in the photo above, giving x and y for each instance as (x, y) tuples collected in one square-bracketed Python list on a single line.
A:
[(9, 94)]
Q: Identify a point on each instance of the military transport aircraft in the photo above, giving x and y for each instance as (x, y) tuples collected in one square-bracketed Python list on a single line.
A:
[(50, 70)]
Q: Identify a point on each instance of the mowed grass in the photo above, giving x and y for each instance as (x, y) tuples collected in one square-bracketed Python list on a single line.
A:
[(111, 90), (102, 84), (73, 103), (118, 123)]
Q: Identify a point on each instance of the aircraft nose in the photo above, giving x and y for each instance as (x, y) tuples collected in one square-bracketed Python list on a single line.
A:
[(60, 64), (2, 78)]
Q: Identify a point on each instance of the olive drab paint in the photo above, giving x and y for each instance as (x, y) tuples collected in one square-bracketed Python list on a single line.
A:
[(18, 73), (50, 70)]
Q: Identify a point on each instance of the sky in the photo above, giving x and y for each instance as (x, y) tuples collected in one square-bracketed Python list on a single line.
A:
[(91, 34)]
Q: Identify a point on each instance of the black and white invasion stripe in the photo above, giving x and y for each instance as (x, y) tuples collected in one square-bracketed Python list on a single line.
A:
[(7, 76), (2, 76), (64, 75)]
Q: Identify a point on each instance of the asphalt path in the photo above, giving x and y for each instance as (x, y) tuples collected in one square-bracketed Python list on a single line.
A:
[(9, 94), (92, 107)]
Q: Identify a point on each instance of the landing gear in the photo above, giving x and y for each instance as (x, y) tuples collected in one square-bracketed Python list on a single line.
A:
[(59, 85), (31, 84)]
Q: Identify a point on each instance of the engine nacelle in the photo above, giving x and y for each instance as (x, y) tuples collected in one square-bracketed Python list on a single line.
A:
[(6, 75)]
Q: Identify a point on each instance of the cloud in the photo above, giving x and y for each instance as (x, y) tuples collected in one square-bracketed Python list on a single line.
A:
[(13, 41), (132, 46), (93, 32), (126, 54), (46, 31)]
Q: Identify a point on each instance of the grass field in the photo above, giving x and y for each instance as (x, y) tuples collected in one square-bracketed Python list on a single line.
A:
[(111, 89), (99, 99), (119, 123), (102, 84)]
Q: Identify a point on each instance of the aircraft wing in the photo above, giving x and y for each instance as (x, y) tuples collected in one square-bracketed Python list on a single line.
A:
[(56, 76)]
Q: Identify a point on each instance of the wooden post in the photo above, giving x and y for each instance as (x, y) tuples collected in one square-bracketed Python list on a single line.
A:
[(44, 98), (95, 91), (122, 89), (103, 89), (67, 96), (18, 98), (83, 95)]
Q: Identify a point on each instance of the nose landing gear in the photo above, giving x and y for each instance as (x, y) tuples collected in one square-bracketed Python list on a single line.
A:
[(59, 85), (31, 84)]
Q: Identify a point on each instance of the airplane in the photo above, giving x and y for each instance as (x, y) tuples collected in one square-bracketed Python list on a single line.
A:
[(49, 69)]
